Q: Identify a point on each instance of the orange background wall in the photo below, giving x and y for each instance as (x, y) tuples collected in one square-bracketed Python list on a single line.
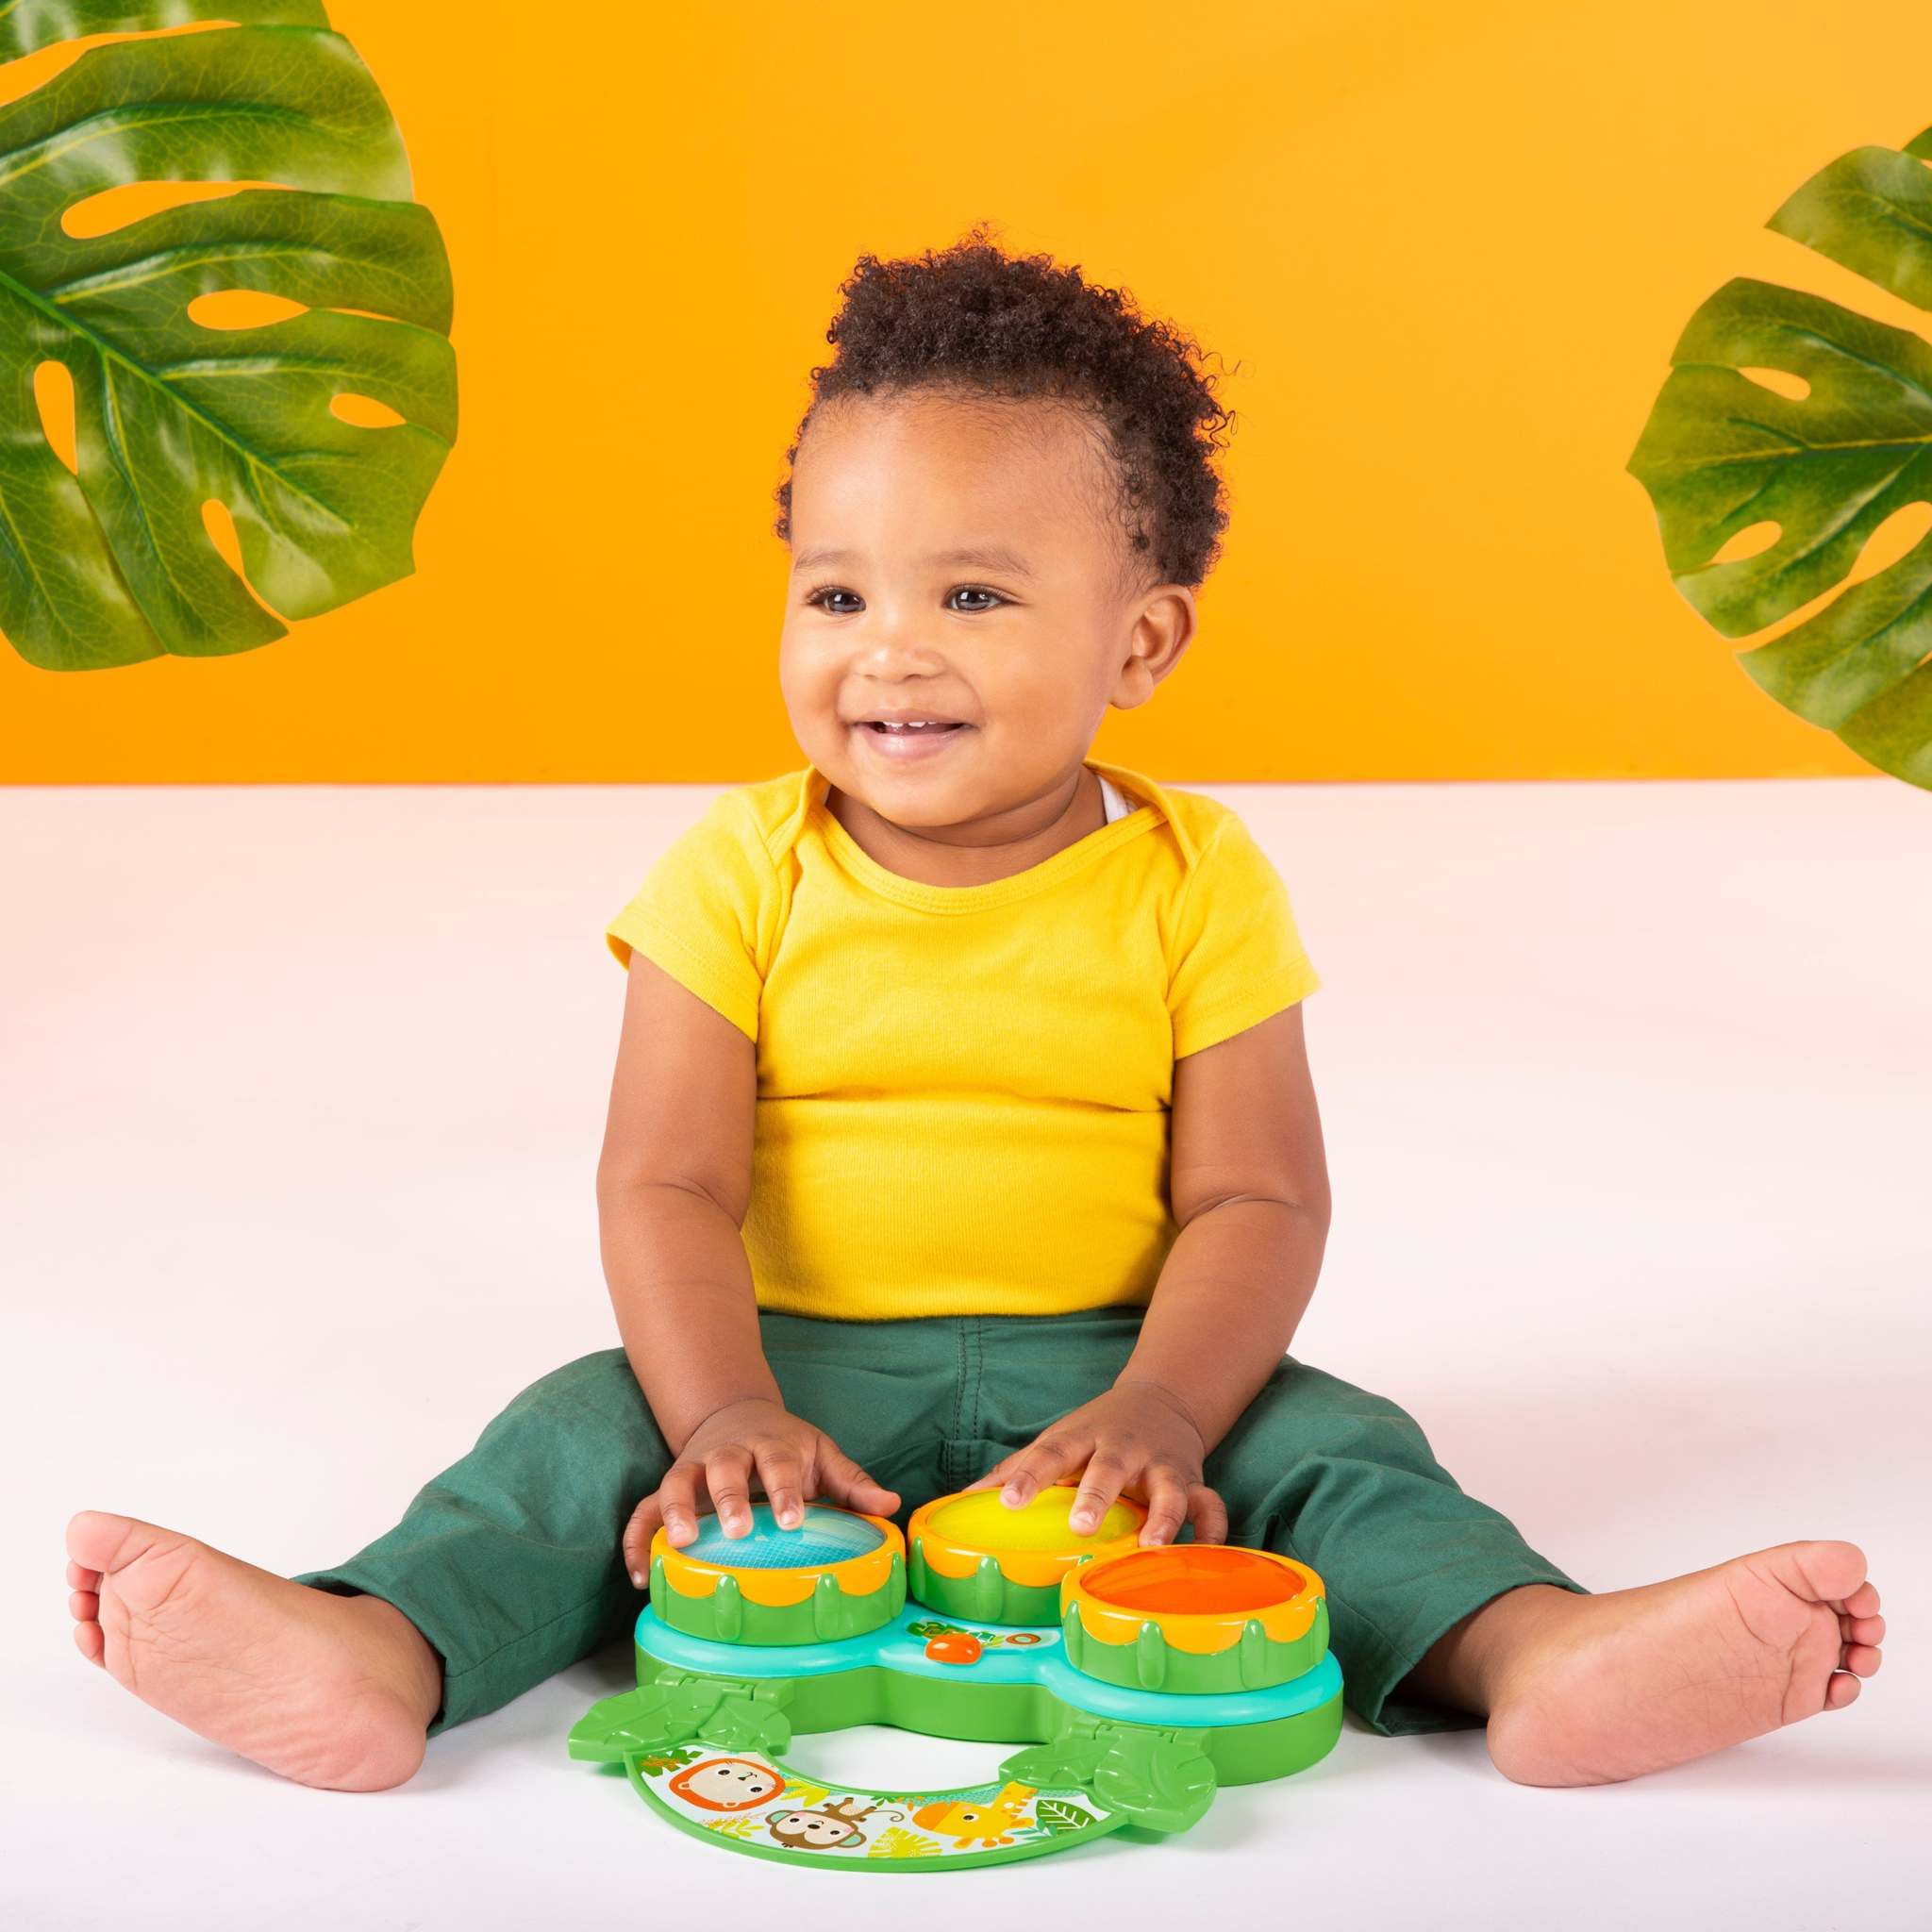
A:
[(1450, 248)]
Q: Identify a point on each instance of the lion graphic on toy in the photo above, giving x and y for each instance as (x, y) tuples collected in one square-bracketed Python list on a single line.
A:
[(727, 1784)]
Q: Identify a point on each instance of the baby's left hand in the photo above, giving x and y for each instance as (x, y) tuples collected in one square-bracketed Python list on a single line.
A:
[(1136, 1438)]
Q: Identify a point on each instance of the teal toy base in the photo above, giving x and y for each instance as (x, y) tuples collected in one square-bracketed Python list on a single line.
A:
[(1022, 1688)]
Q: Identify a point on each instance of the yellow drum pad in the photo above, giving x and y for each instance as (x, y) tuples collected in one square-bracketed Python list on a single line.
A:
[(979, 1521)]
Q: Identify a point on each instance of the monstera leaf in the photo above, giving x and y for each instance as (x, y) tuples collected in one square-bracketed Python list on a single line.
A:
[(116, 565), (1723, 451)]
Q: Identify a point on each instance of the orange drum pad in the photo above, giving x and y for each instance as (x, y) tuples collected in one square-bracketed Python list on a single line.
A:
[(1200, 1597), (1205, 1579)]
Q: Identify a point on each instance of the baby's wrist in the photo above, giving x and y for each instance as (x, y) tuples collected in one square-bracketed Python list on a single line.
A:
[(753, 1399), (1129, 1383)]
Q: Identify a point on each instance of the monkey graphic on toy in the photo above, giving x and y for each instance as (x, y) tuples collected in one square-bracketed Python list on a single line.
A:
[(1137, 1681)]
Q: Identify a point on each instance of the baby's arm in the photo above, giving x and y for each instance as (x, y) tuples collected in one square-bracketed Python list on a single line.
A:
[(1249, 1187), (673, 1184), (1248, 1183)]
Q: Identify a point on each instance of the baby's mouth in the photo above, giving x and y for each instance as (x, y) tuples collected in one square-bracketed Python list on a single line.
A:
[(909, 743)]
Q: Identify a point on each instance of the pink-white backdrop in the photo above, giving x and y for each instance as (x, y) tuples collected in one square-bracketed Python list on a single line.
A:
[(1626, 1090)]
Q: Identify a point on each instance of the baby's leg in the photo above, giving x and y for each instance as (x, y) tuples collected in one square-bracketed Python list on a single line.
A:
[(1344, 1481), (504, 1569), (1444, 1616)]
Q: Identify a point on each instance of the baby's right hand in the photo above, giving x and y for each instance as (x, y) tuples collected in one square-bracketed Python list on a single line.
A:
[(794, 1461)]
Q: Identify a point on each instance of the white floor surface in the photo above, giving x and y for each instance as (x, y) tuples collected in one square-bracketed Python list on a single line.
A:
[(1627, 1090)]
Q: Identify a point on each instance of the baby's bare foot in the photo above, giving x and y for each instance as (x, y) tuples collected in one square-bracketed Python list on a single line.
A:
[(1590, 1689), (331, 1690)]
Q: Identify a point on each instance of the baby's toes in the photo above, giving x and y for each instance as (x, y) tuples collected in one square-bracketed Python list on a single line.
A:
[(84, 1607), (1863, 1601), (1862, 1629)]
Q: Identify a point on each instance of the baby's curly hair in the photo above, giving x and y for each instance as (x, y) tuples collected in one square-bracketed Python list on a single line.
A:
[(972, 320)]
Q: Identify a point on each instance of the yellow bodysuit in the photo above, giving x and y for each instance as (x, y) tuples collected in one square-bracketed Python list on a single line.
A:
[(963, 1091)]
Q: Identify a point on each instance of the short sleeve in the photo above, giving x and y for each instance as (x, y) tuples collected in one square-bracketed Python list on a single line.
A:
[(704, 911), (1235, 955)]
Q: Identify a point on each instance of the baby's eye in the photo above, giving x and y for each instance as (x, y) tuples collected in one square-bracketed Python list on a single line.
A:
[(819, 599)]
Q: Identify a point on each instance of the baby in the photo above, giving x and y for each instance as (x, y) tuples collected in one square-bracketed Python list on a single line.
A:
[(962, 1134)]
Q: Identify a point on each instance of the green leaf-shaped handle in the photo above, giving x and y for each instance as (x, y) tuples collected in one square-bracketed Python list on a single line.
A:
[(1069, 1760), (634, 1723), (741, 1723), (694, 1699), (1163, 1782)]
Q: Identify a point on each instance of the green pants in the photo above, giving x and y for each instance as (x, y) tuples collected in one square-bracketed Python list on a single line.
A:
[(509, 1562)]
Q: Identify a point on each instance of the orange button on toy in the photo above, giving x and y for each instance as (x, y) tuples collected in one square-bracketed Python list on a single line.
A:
[(954, 1648)]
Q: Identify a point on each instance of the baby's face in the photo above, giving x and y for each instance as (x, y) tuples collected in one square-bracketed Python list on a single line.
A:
[(1026, 644)]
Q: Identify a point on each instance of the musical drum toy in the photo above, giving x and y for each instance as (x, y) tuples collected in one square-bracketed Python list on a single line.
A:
[(1139, 1680)]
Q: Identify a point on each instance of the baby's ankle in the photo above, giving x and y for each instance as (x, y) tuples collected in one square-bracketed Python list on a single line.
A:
[(417, 1667), (1475, 1663)]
